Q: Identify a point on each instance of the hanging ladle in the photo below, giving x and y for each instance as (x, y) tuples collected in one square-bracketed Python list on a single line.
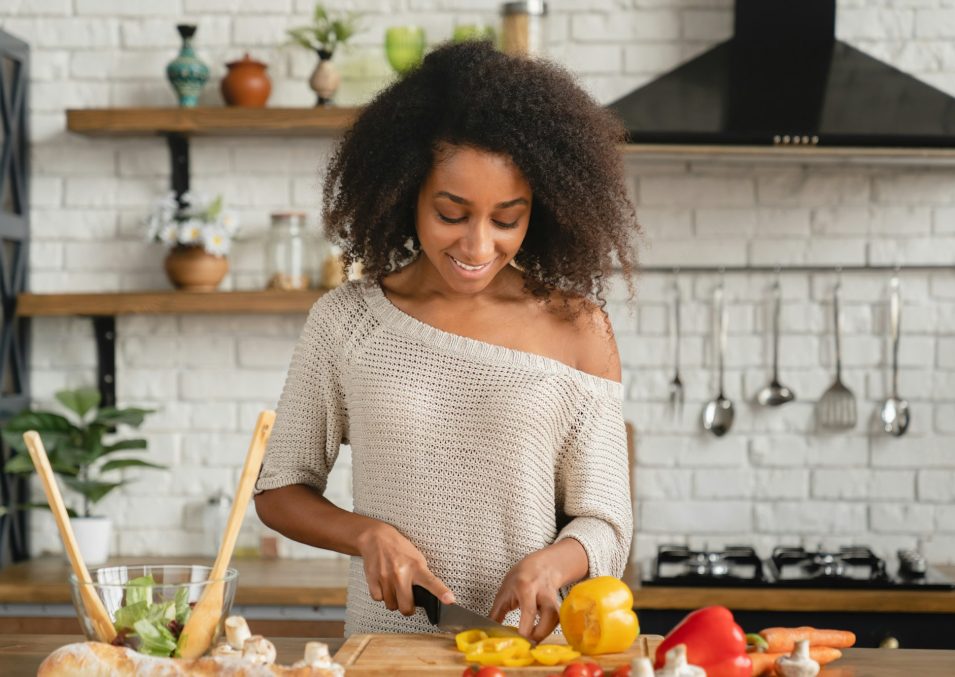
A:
[(718, 413), (775, 393)]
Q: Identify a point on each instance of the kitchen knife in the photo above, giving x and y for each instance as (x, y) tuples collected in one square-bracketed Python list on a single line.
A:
[(454, 619)]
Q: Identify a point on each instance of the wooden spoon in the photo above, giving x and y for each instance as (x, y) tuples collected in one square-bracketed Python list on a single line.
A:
[(97, 613), (196, 637)]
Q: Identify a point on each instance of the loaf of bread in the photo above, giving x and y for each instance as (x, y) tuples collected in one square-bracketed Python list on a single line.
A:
[(96, 659)]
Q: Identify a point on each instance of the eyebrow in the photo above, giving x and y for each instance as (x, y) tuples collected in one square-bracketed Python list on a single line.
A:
[(462, 201)]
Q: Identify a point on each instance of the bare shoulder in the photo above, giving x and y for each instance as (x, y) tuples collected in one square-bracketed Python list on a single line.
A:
[(594, 346)]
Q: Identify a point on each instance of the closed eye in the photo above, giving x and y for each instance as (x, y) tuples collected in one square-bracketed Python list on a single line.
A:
[(448, 219), (506, 225)]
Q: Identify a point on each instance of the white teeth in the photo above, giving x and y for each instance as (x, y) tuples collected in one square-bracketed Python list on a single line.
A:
[(467, 267)]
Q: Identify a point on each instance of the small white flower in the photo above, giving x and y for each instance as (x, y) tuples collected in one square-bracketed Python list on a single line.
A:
[(215, 240), (230, 222), (168, 234), (190, 232)]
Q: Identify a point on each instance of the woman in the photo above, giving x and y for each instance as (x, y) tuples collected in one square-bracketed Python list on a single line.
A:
[(474, 374)]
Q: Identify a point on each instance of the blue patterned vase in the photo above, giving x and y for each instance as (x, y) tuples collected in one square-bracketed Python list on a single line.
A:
[(186, 72)]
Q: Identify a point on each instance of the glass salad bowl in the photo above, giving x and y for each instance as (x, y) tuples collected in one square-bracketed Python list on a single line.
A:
[(150, 604)]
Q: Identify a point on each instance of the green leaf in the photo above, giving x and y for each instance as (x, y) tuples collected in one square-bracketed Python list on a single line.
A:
[(93, 490), (140, 590), (182, 605), (132, 416), (127, 616), (44, 506), (79, 401), (19, 463), (53, 429), (156, 640), (320, 13), (128, 463), (125, 445)]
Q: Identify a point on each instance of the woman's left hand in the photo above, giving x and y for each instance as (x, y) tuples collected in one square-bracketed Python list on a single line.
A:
[(532, 584)]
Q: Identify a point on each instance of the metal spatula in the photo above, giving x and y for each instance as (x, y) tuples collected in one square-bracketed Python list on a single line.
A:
[(836, 409)]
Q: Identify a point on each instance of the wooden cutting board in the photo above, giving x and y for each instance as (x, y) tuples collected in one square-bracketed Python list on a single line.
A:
[(437, 656)]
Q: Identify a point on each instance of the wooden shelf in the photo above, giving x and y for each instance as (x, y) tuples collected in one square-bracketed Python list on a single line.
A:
[(267, 302), (212, 121)]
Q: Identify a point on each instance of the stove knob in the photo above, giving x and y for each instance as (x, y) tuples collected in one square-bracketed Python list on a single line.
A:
[(912, 563), (889, 643)]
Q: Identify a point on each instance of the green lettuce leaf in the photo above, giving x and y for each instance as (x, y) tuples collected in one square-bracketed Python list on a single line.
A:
[(182, 606), (127, 616), (140, 590), (155, 640)]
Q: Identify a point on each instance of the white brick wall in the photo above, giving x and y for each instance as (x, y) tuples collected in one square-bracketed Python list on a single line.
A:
[(773, 480)]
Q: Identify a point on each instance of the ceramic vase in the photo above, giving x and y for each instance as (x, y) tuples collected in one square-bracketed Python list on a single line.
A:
[(246, 84), (325, 78), (92, 537), (186, 72), (191, 268)]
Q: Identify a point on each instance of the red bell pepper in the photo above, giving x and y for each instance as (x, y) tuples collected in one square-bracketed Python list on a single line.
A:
[(713, 641)]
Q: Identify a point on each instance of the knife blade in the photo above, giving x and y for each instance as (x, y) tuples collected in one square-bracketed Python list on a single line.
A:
[(454, 619)]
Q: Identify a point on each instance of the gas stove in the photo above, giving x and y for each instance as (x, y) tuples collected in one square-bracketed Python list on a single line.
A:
[(796, 567)]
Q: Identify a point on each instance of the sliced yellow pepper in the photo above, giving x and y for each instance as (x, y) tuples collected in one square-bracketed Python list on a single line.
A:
[(554, 654), (495, 650), (597, 616), (465, 639)]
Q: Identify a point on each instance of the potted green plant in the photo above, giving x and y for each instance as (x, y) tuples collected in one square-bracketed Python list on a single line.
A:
[(82, 458), (327, 31)]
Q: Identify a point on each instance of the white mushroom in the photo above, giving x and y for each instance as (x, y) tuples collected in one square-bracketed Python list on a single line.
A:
[(641, 667), (257, 649), (236, 632), (676, 665), (225, 651), (799, 663), (317, 655)]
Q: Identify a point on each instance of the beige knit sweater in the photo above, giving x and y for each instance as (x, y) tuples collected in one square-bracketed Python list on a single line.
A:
[(478, 454)]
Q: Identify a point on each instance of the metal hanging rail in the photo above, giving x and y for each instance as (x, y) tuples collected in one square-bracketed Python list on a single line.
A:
[(835, 270)]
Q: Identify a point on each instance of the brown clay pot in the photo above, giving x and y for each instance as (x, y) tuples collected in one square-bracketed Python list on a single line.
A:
[(246, 84), (192, 269)]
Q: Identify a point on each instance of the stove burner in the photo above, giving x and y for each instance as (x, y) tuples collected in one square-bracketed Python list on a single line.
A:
[(849, 564), (702, 567), (708, 564), (826, 564)]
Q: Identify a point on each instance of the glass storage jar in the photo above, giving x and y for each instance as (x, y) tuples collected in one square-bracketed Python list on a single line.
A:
[(523, 27), (289, 252)]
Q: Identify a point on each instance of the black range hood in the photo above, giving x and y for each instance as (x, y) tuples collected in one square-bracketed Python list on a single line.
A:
[(783, 79)]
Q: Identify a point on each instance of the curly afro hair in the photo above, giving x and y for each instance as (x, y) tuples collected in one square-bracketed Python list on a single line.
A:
[(566, 145)]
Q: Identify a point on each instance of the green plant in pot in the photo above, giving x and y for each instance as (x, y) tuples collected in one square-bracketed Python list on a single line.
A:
[(80, 454), (327, 31)]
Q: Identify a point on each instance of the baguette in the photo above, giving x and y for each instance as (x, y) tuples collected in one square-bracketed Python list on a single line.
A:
[(96, 659)]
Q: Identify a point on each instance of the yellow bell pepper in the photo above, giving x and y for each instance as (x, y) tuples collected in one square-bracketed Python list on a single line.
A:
[(495, 650), (465, 639), (554, 654), (597, 616)]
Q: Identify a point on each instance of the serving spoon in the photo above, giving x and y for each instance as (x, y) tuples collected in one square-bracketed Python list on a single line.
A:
[(95, 610), (895, 411), (196, 637), (718, 413), (775, 393)]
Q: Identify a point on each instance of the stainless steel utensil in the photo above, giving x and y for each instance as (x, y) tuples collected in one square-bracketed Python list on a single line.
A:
[(836, 409), (774, 394), (718, 413), (454, 619), (895, 411), (676, 385)]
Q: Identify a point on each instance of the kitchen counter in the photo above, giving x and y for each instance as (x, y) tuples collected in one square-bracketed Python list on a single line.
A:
[(323, 583), (21, 655)]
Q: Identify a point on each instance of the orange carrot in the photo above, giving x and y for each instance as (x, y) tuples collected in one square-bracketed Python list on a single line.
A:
[(764, 663), (784, 639)]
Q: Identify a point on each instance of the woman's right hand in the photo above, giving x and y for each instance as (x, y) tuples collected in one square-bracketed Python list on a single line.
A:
[(392, 565)]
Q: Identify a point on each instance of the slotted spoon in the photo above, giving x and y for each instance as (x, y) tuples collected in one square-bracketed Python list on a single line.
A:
[(836, 409)]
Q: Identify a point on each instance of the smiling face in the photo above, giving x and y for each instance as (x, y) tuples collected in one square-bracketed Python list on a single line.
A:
[(472, 215)]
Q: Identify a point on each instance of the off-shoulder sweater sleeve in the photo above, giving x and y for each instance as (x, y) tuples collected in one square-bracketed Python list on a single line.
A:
[(311, 419), (593, 485)]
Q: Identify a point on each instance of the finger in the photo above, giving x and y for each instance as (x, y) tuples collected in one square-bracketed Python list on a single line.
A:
[(503, 604), (374, 590), (549, 617), (388, 595), (435, 585), (404, 595), (528, 604)]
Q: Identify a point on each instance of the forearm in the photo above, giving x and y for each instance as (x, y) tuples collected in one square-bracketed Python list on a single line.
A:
[(304, 515), (569, 560)]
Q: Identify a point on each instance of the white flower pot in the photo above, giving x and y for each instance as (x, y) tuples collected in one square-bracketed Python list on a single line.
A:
[(92, 537)]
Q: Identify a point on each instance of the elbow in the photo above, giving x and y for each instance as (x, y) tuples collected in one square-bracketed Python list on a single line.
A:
[(264, 508)]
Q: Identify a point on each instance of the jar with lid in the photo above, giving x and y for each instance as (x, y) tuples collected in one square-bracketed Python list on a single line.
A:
[(215, 515), (523, 27), (289, 252)]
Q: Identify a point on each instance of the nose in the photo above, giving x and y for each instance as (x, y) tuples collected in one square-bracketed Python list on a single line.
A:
[(478, 243)]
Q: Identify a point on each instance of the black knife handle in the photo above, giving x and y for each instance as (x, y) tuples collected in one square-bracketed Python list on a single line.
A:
[(426, 600)]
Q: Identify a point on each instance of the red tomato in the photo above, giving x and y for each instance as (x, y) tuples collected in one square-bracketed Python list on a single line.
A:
[(576, 670), (595, 670), (622, 671), (489, 671)]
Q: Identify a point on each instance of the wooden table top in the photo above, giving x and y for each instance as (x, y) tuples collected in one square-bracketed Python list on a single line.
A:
[(22, 655), (323, 582)]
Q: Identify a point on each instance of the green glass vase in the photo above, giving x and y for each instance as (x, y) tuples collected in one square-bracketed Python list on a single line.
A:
[(186, 73)]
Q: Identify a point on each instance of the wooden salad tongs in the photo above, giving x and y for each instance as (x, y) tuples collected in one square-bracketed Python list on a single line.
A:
[(97, 613), (196, 637)]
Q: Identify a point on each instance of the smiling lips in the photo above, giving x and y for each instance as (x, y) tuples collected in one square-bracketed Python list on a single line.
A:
[(469, 268)]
